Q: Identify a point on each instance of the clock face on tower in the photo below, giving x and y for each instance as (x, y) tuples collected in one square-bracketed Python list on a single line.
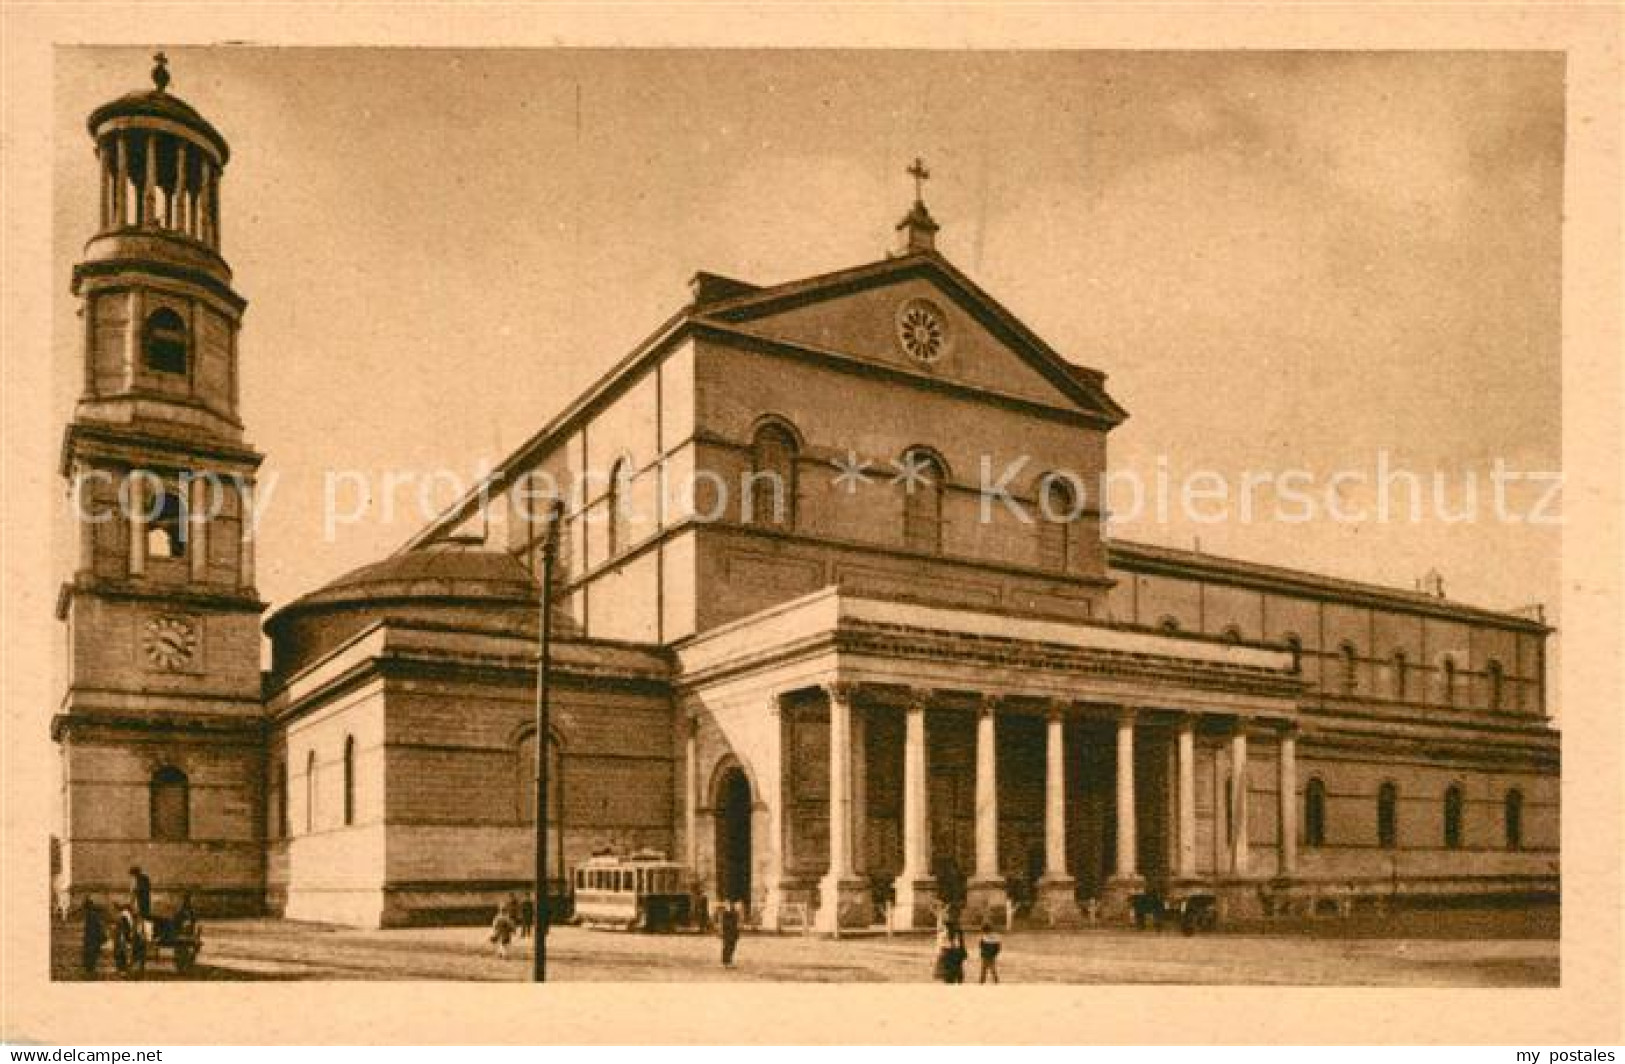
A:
[(170, 642)]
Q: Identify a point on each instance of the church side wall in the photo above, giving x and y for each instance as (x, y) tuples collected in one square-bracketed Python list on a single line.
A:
[(335, 864), (460, 837), (1364, 727), (1324, 626)]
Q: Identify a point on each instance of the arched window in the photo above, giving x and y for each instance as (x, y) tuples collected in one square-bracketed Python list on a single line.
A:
[(1398, 678), (164, 341), (1351, 667), (170, 804), (1513, 816), (1057, 516), (614, 503), (771, 498), (349, 780), (1449, 680), (525, 779), (1452, 816), (166, 524), (1314, 813), (923, 483), (1495, 676), (1294, 643), (1388, 815), (310, 792)]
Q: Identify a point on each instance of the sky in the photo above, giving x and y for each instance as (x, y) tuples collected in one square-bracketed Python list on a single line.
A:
[(1281, 260)]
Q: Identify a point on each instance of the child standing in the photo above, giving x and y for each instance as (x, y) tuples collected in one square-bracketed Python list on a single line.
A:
[(988, 948)]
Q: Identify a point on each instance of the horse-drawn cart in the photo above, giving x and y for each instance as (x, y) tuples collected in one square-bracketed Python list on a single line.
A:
[(136, 941), (1194, 910)]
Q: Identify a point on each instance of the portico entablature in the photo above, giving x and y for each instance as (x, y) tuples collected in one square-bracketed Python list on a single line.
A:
[(828, 637)]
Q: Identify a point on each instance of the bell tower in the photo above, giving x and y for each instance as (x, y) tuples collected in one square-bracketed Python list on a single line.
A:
[(160, 730)]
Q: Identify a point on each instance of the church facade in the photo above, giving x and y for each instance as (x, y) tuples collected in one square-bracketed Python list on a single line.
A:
[(796, 647)]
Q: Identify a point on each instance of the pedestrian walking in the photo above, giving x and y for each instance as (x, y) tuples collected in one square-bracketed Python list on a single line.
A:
[(730, 933), (951, 953), (502, 928), (95, 936), (527, 916), (988, 949)]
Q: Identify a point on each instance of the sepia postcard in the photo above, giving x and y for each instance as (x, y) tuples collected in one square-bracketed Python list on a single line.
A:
[(797, 513)]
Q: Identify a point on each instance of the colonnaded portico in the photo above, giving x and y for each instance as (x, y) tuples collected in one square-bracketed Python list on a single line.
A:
[(911, 755)]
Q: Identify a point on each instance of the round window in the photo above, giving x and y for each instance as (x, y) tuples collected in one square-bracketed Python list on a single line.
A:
[(922, 330)]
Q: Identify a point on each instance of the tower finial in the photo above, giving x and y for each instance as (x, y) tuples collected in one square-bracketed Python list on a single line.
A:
[(918, 228), (160, 71)]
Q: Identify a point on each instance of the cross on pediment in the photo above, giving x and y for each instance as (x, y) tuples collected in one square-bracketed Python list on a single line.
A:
[(921, 175)]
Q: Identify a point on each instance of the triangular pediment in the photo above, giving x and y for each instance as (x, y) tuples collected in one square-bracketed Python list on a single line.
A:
[(857, 314)]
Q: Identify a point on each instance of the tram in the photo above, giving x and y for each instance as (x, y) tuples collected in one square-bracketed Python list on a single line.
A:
[(643, 892)]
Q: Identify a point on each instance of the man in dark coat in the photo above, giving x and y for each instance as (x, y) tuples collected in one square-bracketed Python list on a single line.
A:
[(141, 893), (95, 935), (730, 933)]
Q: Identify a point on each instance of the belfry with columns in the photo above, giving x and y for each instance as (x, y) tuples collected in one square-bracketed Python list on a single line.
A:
[(844, 689)]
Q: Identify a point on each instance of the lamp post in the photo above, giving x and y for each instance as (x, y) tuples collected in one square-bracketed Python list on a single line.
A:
[(550, 555)]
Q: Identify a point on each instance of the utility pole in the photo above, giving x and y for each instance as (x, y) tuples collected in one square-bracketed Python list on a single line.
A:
[(544, 683)]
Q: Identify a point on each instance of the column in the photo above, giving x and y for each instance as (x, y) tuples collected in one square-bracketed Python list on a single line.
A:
[(1287, 789), (214, 209), (985, 893), (987, 792), (135, 495), (774, 791), (1186, 865), (105, 162), (1238, 799), (245, 509), (1057, 890), (839, 893), (206, 206), (149, 183), (860, 791), (1055, 794), (121, 179), (198, 507), (182, 214), (691, 795), (1128, 864), (915, 889)]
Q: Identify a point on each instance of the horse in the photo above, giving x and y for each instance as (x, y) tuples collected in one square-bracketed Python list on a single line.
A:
[(129, 941)]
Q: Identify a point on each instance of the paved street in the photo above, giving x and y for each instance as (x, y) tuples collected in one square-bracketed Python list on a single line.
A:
[(1448, 949)]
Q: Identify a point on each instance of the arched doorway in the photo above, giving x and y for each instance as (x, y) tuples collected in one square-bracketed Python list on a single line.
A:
[(733, 810)]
